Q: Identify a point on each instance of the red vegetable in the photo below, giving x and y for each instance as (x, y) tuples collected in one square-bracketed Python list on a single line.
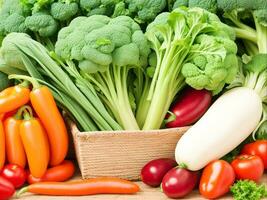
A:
[(258, 148), (15, 174), (216, 179), (248, 167), (179, 182), (6, 189), (190, 107), (154, 171)]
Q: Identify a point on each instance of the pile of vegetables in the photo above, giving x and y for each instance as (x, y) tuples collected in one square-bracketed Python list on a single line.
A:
[(240, 177), (114, 65)]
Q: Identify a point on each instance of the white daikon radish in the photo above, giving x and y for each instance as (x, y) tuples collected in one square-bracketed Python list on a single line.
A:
[(228, 122)]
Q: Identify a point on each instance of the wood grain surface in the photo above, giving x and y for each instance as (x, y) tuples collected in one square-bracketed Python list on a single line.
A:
[(147, 193)]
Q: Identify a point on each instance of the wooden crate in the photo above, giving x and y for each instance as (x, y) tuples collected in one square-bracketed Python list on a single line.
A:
[(122, 153)]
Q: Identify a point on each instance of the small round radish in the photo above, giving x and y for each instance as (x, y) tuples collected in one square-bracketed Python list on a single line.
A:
[(154, 171), (190, 107), (179, 182)]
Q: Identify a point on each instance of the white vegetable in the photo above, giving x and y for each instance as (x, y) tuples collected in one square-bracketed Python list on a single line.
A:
[(229, 121)]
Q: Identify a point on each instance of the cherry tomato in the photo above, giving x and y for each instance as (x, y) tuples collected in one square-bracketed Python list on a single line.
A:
[(190, 107), (216, 179), (258, 148), (6, 189), (154, 171), (15, 174), (179, 182), (248, 167)]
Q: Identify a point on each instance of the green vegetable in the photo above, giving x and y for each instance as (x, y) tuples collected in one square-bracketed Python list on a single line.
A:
[(12, 18), (210, 5), (4, 82), (42, 23), (145, 10), (106, 51), (98, 7), (240, 14), (72, 94), (192, 46), (64, 10), (248, 190)]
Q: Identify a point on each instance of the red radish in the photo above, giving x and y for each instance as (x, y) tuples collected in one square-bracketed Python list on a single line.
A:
[(179, 182), (190, 107), (154, 171)]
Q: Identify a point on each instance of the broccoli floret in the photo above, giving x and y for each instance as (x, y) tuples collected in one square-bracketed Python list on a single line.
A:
[(98, 44), (12, 17), (42, 23), (98, 7), (210, 5), (213, 63), (179, 3), (240, 14), (37, 5), (145, 10), (64, 10), (120, 9)]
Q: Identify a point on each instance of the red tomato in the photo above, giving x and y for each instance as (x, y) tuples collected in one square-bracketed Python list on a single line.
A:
[(248, 167), (6, 189), (258, 148), (190, 107), (216, 179), (154, 171), (15, 174)]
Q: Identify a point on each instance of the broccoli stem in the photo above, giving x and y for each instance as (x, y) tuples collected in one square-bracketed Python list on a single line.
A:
[(261, 36), (245, 34), (251, 48)]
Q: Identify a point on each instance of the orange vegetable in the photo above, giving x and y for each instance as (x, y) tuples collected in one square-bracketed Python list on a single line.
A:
[(14, 97), (14, 148), (2, 145), (35, 143), (103, 185), (59, 173), (46, 109)]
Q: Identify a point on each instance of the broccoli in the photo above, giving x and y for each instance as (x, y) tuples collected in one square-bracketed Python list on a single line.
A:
[(210, 5), (64, 10), (106, 50), (240, 14), (12, 18), (145, 10), (192, 46), (42, 23), (98, 7)]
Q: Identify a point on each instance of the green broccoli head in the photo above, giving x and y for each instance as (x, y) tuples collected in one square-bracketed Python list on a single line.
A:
[(179, 3), (98, 7), (98, 41), (145, 10), (120, 9), (210, 5), (213, 62), (63, 10), (12, 17), (42, 23)]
